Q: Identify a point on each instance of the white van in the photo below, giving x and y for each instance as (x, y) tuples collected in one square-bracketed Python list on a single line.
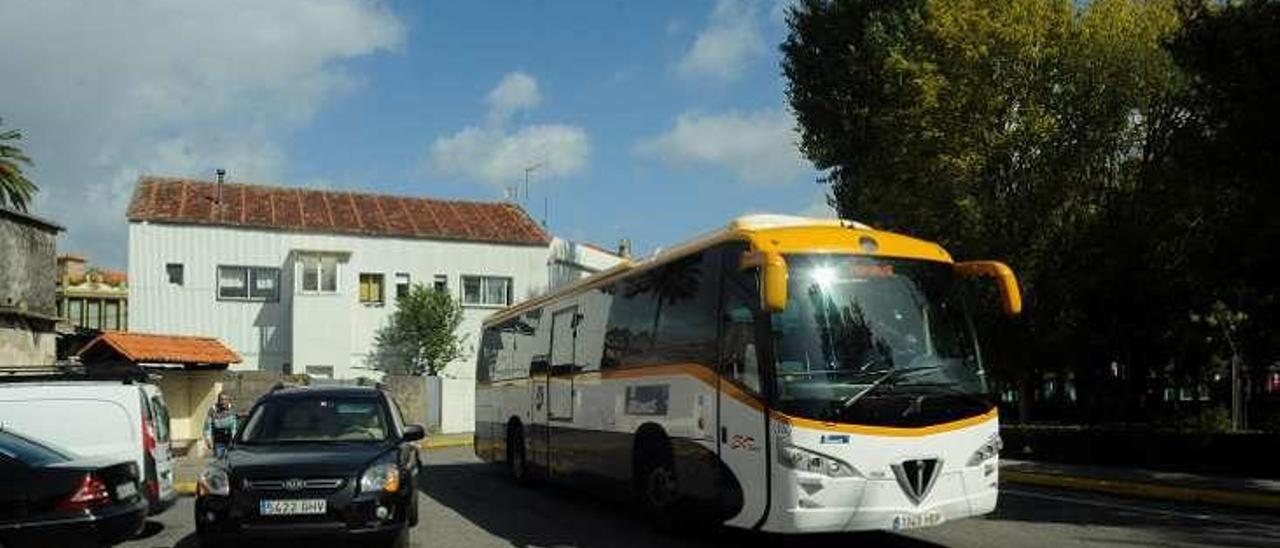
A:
[(118, 418)]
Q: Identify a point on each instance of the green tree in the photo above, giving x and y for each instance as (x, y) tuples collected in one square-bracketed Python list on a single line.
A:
[(421, 337), (1000, 129), (15, 189)]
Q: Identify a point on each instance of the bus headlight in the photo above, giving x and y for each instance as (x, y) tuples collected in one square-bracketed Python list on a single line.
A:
[(804, 460), (989, 450)]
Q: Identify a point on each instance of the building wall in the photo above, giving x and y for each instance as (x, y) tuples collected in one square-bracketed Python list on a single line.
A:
[(26, 271), (332, 330), (26, 342), (572, 261), (27, 303)]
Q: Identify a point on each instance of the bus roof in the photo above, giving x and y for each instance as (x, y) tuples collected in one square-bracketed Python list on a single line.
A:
[(781, 233)]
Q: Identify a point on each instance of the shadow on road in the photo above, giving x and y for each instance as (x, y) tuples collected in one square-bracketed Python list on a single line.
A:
[(550, 516), (1172, 524)]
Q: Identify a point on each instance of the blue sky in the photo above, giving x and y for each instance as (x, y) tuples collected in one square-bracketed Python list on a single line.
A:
[(651, 120)]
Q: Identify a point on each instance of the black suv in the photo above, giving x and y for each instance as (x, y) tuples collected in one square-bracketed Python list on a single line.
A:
[(314, 461)]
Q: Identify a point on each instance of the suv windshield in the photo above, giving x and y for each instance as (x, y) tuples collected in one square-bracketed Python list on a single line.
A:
[(316, 419), (879, 341)]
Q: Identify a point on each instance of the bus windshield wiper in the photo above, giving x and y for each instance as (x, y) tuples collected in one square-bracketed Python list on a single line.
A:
[(892, 373)]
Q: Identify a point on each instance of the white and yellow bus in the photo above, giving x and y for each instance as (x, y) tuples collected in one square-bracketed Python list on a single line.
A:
[(784, 374)]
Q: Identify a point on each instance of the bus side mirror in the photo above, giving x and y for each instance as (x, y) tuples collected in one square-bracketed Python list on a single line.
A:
[(1006, 282), (773, 278)]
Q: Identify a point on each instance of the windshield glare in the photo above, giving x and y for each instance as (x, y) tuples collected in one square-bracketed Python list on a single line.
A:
[(854, 324), (300, 420)]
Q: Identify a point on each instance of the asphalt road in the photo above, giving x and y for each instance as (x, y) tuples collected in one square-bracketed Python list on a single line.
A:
[(466, 504)]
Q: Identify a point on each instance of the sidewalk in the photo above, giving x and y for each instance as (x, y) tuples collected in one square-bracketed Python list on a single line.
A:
[(1241, 492), (186, 469)]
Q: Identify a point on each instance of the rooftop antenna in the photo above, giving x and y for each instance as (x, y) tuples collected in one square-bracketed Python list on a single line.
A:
[(222, 173), (527, 170)]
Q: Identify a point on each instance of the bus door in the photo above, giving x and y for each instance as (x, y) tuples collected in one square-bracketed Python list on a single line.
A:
[(563, 367), (539, 436), (743, 421)]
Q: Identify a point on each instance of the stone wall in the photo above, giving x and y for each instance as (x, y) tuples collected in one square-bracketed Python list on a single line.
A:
[(25, 341), (410, 393), (29, 270), (246, 387)]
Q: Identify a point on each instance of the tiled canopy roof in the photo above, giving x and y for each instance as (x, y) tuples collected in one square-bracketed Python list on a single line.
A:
[(148, 348), (187, 201)]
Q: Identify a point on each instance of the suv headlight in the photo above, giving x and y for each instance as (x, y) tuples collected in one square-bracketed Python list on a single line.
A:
[(214, 481), (380, 477), (796, 458), (989, 449)]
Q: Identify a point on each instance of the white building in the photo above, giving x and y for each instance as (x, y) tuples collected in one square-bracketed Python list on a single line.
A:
[(298, 280)]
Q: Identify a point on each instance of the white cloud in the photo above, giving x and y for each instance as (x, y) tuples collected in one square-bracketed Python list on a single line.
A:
[(819, 208), (498, 157), (497, 154), (726, 46), (517, 91), (758, 147), (104, 93)]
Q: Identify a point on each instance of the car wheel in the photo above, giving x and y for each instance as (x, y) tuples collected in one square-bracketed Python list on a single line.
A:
[(210, 540), (401, 539), (517, 464), (413, 510)]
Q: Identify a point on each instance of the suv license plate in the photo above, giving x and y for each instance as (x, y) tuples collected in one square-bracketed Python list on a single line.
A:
[(916, 521), (292, 507)]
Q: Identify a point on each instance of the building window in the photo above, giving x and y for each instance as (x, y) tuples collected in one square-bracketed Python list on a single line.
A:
[(371, 288), (322, 371), (93, 313), (75, 312), (248, 283), (111, 311), (319, 273), (486, 290), (174, 271), (441, 283), (402, 284)]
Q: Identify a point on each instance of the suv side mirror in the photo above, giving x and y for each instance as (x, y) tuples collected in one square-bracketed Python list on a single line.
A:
[(413, 432)]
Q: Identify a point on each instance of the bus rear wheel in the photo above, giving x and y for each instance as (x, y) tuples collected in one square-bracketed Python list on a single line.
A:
[(517, 465)]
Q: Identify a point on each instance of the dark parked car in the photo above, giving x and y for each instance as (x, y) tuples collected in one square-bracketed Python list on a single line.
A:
[(314, 461), (49, 497)]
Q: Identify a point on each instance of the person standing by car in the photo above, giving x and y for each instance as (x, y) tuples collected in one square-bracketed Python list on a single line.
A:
[(220, 425)]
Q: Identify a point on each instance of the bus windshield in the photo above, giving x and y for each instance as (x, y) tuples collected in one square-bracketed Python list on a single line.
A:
[(875, 341)]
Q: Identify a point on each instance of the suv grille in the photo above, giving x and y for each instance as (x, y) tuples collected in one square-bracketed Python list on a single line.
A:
[(293, 484)]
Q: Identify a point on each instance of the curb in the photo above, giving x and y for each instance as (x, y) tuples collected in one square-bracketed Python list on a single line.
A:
[(1244, 499), (444, 444), (185, 487)]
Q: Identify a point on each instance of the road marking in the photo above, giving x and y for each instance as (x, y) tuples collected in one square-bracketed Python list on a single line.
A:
[(1139, 509)]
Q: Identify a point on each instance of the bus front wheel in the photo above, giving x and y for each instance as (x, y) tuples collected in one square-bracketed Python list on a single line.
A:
[(657, 485)]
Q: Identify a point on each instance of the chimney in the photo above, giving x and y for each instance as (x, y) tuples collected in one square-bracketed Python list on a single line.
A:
[(624, 248), (217, 205)]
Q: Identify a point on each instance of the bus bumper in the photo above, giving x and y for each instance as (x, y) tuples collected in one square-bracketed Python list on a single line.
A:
[(826, 505)]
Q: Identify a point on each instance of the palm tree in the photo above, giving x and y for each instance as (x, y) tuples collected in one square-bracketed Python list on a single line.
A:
[(15, 189)]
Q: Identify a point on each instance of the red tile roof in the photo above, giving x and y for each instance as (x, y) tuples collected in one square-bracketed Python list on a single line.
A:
[(188, 201), (149, 348)]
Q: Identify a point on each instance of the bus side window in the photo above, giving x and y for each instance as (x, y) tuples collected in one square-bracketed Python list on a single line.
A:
[(738, 349)]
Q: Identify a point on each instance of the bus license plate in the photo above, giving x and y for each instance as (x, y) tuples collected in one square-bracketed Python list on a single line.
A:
[(292, 507), (916, 521)]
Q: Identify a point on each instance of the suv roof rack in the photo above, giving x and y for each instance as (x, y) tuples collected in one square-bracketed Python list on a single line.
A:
[(127, 374)]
